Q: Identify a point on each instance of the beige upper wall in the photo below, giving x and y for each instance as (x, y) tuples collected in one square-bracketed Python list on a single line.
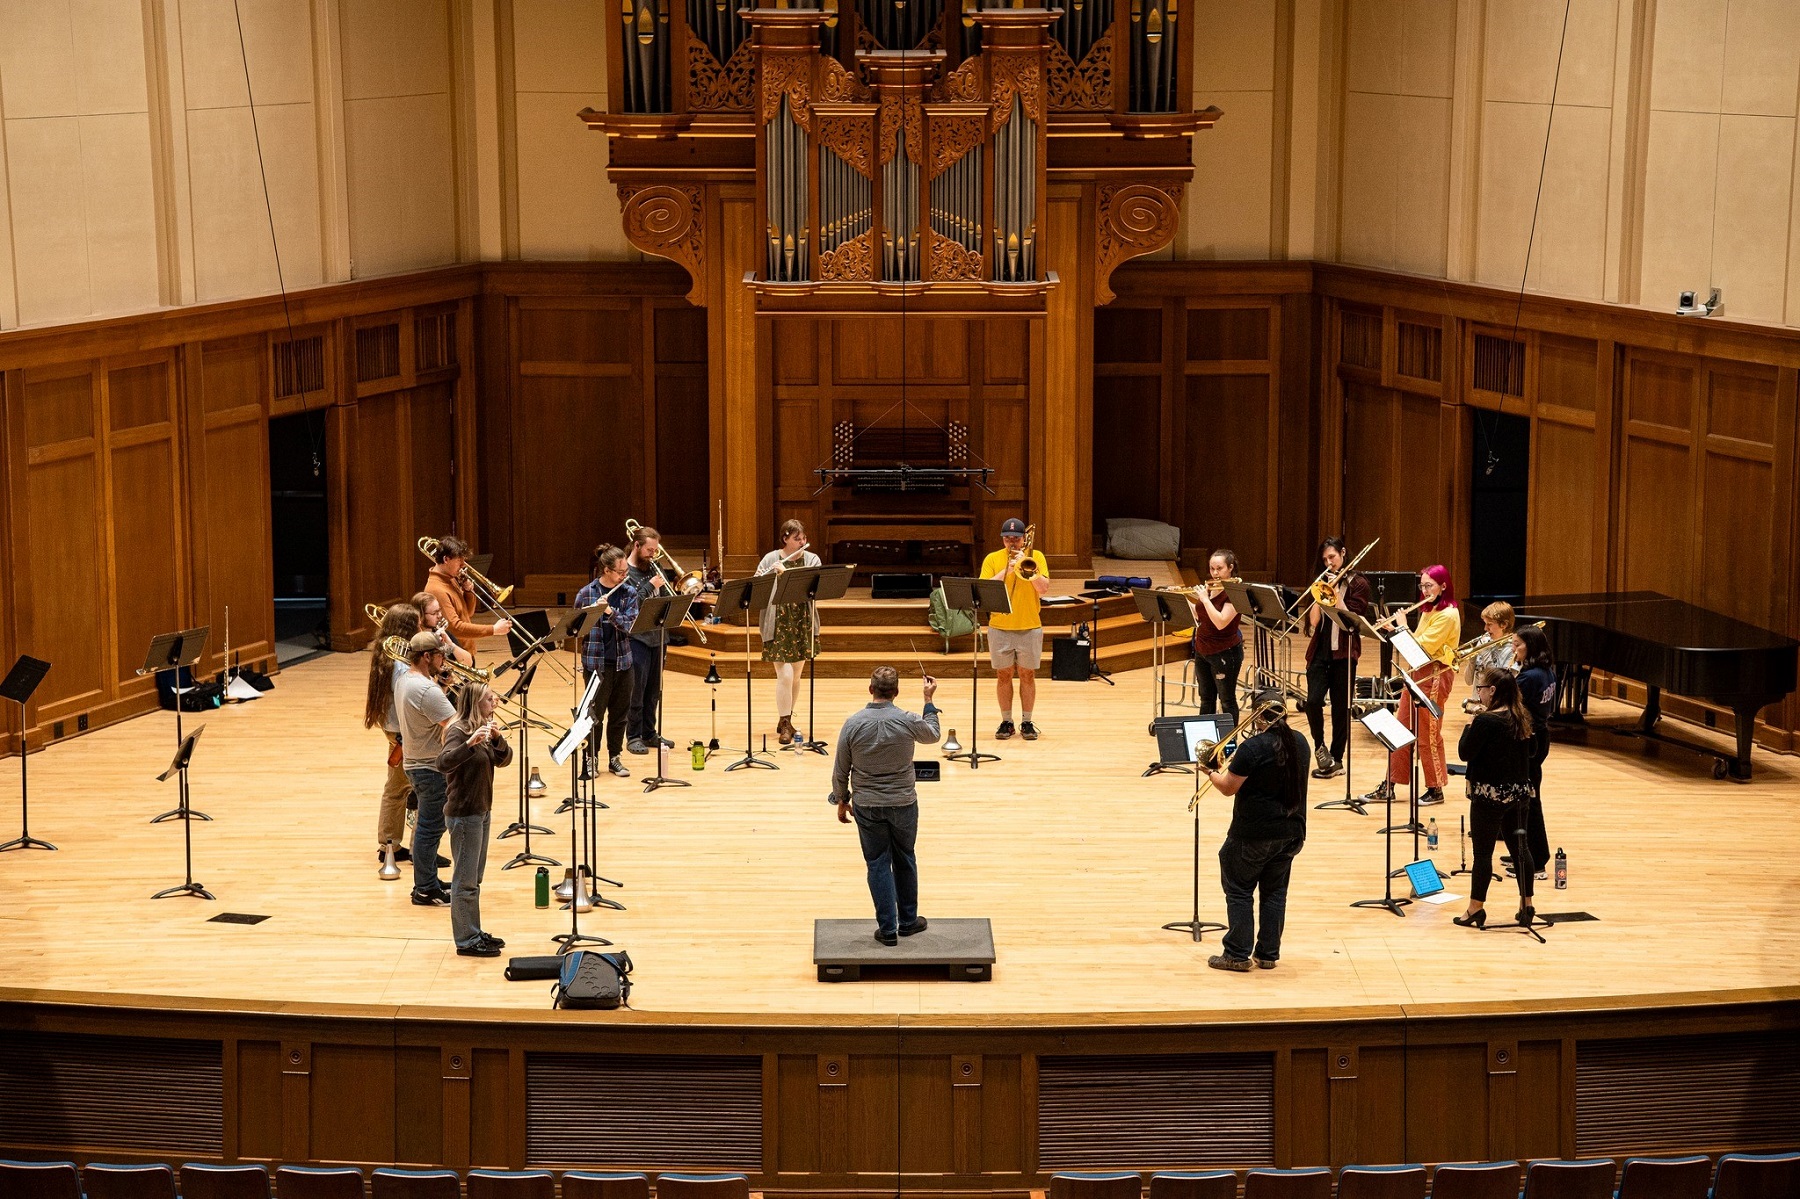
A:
[(400, 134)]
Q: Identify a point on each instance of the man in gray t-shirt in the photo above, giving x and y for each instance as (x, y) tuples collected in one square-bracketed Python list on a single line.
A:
[(875, 752), (424, 710)]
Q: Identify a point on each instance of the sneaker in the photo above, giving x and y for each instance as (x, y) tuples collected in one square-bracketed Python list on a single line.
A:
[(1219, 961), (497, 943), (1323, 760), (1433, 795), (917, 926), (665, 743), (442, 861), (887, 938), (481, 949), (1263, 963), (636, 746), (617, 767), (1506, 859), (1380, 794), (1028, 731), (1005, 731), (430, 899)]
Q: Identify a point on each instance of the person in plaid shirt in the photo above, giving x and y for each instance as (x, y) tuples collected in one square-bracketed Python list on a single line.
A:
[(606, 649)]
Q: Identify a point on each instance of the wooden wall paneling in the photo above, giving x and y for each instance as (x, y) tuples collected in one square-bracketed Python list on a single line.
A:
[(1739, 559), (926, 1142), (1560, 542), (678, 377), (148, 552), (432, 433), (1370, 484), (227, 411), (418, 1104), (65, 516), (15, 600), (1784, 597), (380, 479), (1538, 1111), (1134, 455), (1295, 387), (457, 1071), (256, 1098), (1608, 400), (1441, 1079), (1657, 490), (493, 376), (352, 1098), (469, 479)]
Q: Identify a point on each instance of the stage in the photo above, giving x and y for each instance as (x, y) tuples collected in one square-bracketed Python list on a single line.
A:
[(1075, 858)]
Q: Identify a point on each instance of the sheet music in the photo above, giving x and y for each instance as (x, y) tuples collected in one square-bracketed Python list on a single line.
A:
[(1388, 730), (1409, 649)]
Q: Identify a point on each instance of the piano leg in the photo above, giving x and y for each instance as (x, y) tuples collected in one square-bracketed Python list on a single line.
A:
[(1652, 709), (1739, 767)]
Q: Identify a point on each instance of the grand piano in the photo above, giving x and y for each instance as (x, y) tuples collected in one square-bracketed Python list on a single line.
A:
[(1667, 645)]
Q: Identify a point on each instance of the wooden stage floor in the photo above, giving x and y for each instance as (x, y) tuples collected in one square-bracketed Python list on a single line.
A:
[(1075, 858)]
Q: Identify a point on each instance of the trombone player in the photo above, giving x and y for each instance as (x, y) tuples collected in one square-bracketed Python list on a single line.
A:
[(448, 582), (1016, 638), (643, 726), (1329, 654)]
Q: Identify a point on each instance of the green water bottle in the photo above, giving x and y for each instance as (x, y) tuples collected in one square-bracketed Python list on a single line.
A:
[(543, 886), (697, 751)]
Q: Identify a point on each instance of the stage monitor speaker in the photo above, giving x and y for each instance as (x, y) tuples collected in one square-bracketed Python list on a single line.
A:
[(1070, 661), (899, 586)]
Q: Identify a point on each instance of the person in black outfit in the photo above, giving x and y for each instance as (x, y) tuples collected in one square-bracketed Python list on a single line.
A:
[(1537, 686), (1266, 779), (1497, 746), (1328, 657)]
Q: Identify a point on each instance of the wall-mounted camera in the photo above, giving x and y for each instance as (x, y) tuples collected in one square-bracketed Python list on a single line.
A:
[(1687, 307)]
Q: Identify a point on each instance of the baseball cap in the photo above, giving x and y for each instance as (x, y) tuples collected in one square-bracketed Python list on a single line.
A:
[(1014, 527), (423, 643)]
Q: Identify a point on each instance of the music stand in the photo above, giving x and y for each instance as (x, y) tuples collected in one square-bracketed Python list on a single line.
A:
[(1388, 730), (659, 614), (1259, 604), (564, 751), (1414, 657), (18, 685), (176, 651), (1194, 926), (749, 596), (1094, 669), (1349, 624), (979, 598), (809, 585), (184, 753), (522, 690), (1162, 609)]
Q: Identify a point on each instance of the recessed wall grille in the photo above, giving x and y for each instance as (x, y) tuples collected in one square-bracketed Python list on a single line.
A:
[(1418, 352), (644, 1111), (377, 353), (1359, 339), (1499, 365), (299, 366), (1683, 1094), (63, 1090), (434, 339), (1116, 1113)]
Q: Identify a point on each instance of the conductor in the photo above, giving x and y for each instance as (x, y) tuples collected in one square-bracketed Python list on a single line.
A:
[(875, 763)]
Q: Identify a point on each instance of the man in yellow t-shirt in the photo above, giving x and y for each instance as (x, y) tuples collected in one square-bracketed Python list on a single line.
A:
[(1016, 639)]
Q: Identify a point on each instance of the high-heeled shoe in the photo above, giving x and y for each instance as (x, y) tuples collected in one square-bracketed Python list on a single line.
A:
[(1525, 915), (1477, 919)]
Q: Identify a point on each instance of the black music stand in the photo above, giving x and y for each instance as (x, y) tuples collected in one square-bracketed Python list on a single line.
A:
[(176, 651), (564, 751), (659, 614), (178, 769), (1162, 609), (1414, 657), (1349, 624), (1391, 733), (979, 598), (1391, 589), (18, 685), (1094, 671), (1194, 926), (521, 690), (1260, 605), (749, 596), (809, 585)]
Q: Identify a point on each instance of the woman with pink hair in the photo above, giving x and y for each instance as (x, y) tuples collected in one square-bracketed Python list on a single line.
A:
[(1438, 633)]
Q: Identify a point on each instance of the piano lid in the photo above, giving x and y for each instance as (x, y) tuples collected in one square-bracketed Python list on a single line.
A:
[(1653, 617)]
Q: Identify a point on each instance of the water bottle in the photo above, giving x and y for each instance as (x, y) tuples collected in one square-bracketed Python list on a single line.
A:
[(543, 886), (697, 753), (1431, 837), (1562, 869)]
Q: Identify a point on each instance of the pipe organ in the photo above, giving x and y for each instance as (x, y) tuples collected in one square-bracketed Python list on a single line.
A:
[(981, 164)]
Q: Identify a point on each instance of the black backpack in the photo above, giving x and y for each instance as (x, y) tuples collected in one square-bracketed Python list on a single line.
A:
[(594, 980)]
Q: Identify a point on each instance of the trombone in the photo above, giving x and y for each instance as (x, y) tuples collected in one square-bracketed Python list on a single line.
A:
[(690, 582), (1268, 711), (1323, 590), (396, 648), (1476, 645), (1022, 563)]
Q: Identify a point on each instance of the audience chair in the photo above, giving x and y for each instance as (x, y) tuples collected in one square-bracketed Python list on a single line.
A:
[(415, 1184), (151, 1181), (1311, 1183), (1476, 1180), (1757, 1176), (1381, 1182), (1194, 1184), (1079, 1184), (1665, 1177), (593, 1184), (702, 1186), (510, 1184), (1592, 1179), (318, 1182), (202, 1181), (40, 1180)]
